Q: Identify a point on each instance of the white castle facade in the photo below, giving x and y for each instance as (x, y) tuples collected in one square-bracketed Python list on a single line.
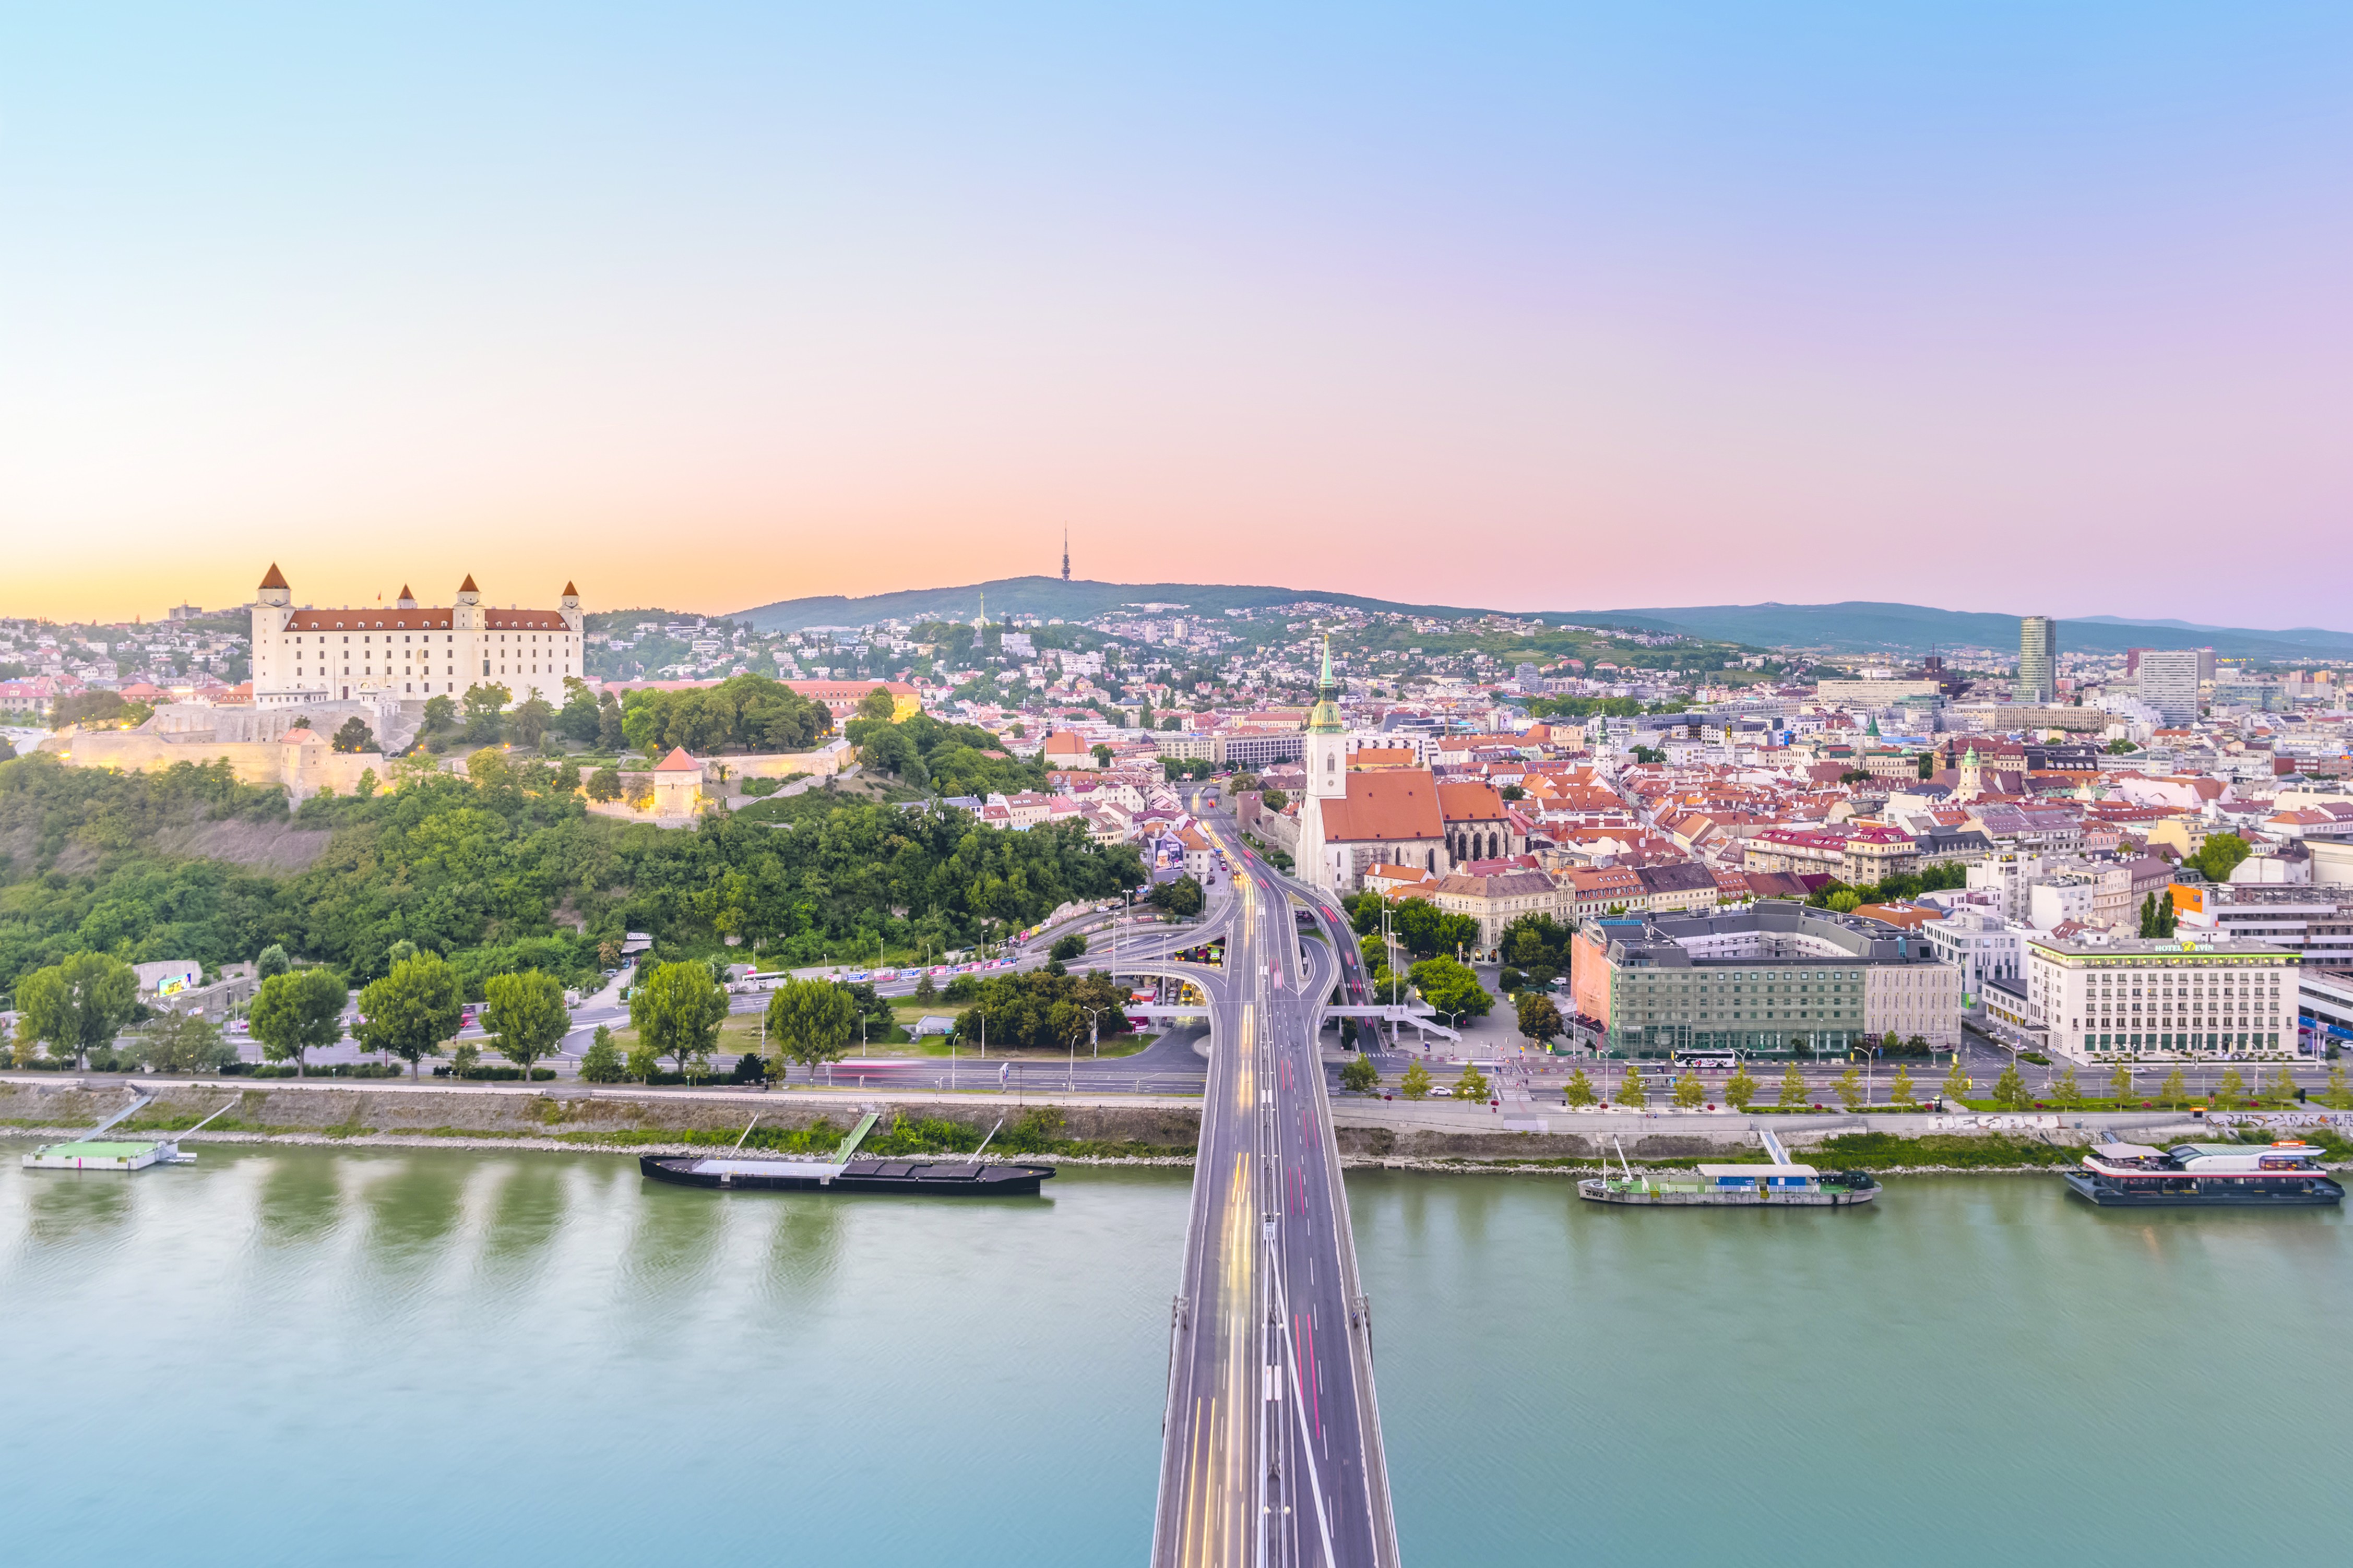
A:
[(409, 652)]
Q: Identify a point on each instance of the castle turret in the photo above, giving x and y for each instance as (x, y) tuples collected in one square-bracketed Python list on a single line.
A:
[(275, 589), (570, 606)]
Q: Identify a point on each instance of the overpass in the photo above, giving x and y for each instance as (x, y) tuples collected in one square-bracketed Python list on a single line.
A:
[(1271, 1440)]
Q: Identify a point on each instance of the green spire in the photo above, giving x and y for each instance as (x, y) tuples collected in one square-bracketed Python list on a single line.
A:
[(1324, 719)]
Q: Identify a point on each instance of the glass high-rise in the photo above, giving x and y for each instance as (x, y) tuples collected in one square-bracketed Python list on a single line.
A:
[(2038, 657)]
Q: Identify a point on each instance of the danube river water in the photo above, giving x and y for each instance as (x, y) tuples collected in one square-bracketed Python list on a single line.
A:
[(303, 1356)]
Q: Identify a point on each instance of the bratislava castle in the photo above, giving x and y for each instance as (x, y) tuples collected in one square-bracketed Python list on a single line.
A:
[(407, 652)]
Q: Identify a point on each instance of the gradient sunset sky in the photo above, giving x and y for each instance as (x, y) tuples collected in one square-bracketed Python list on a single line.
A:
[(2022, 307)]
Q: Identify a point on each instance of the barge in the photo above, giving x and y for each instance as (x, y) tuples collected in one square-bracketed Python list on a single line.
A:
[(2135, 1176), (733, 1172), (1784, 1184)]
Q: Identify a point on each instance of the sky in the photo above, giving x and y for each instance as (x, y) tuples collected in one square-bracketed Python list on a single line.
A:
[(2026, 307)]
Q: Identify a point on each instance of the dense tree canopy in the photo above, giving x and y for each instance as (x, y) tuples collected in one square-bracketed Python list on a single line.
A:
[(952, 759), (1047, 1011), (742, 713), (500, 877)]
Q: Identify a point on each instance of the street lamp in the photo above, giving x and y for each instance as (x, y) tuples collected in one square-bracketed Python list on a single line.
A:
[(1094, 1031)]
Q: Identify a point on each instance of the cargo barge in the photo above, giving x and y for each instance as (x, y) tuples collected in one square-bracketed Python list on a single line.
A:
[(733, 1172)]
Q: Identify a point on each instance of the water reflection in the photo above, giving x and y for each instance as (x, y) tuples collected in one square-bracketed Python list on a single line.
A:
[(525, 1216), (76, 1205), (301, 1201)]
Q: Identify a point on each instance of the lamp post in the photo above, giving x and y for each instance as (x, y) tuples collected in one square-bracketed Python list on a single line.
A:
[(1094, 1031)]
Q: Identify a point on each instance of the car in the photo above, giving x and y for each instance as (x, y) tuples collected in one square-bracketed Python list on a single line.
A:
[(1440, 1091)]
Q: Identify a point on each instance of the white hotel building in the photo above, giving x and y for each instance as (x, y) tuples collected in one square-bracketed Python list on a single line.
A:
[(409, 652), (2162, 999)]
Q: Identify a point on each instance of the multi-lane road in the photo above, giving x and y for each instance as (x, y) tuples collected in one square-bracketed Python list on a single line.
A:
[(1271, 1451)]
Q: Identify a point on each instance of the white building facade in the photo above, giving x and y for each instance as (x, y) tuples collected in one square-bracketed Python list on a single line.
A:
[(2155, 999), (409, 652)]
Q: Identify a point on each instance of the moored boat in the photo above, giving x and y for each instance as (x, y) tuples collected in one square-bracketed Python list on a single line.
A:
[(2135, 1176), (1736, 1186), (952, 1178)]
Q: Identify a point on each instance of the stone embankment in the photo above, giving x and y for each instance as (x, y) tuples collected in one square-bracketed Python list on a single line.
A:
[(576, 1116)]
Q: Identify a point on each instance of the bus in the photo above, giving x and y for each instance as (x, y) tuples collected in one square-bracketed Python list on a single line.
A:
[(1708, 1057)]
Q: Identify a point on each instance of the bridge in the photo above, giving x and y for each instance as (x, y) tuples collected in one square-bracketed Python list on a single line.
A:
[(1271, 1440)]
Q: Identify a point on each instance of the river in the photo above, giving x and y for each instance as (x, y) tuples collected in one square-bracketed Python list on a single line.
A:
[(299, 1356)]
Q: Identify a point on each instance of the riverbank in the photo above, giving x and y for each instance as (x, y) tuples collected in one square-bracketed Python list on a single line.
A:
[(1117, 1130)]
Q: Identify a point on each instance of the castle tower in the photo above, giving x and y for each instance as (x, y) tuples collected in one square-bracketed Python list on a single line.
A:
[(407, 601), (570, 606), (467, 606), (1972, 776), (1327, 739), (274, 589)]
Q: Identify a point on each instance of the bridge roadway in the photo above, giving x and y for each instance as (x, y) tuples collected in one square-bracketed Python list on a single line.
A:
[(1271, 1443)]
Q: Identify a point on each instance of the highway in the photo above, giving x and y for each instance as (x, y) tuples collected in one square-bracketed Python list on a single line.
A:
[(1272, 1448)]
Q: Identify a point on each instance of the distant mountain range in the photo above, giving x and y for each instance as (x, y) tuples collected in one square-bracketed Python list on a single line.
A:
[(1863, 626), (1852, 626)]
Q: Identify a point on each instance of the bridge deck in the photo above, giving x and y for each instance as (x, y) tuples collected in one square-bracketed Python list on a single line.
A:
[(1272, 1449)]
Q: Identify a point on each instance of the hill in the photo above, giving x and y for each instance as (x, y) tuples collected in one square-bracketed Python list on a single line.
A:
[(1855, 625), (1866, 626), (1050, 597)]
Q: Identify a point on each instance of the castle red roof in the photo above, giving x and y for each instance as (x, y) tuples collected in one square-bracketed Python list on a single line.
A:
[(274, 578)]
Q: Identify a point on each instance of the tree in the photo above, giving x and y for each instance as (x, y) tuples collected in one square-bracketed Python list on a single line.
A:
[(483, 704), (601, 1062), (2066, 1091), (2173, 1094), (440, 713), (1957, 1085), (1360, 1075), (878, 704), (78, 1005), (2231, 1090), (2282, 1085), (1472, 1084), (1793, 1095), (1900, 1091), (1414, 1084), (2009, 1091), (1274, 799), (2220, 856), (1740, 1087), (1927, 765), (1540, 1018), (1630, 1086), (644, 1062), (1578, 1090), (1451, 988), (1181, 898), (1101, 754), (186, 1042), (526, 1015), (577, 719), (2120, 1084), (355, 736), (609, 736), (300, 1011), (1850, 1088), (1689, 1093), (604, 784), (412, 1010), (677, 1011), (530, 722), (2335, 1096), (273, 960), (810, 1020), (1069, 947)]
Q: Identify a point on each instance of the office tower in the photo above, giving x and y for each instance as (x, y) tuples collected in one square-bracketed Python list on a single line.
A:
[(2038, 652), (2169, 682)]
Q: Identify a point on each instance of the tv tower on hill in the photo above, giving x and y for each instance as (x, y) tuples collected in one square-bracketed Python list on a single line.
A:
[(1066, 553)]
